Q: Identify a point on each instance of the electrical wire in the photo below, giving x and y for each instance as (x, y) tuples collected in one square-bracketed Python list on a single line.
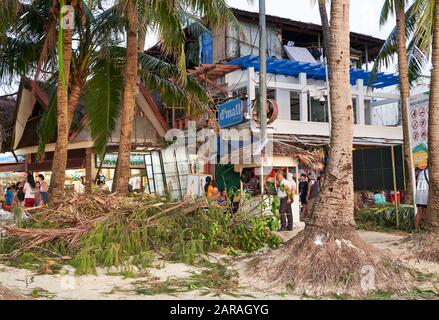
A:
[(251, 53)]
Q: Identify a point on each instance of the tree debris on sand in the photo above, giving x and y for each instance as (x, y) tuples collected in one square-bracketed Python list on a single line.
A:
[(425, 246), (324, 262), (126, 232)]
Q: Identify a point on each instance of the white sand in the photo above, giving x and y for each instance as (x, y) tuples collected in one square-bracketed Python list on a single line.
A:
[(105, 286)]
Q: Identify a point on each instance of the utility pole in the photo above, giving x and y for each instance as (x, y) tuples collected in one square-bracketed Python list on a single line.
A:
[(262, 87)]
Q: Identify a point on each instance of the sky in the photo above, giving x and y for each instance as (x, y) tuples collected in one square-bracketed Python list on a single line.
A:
[(364, 14), (364, 17)]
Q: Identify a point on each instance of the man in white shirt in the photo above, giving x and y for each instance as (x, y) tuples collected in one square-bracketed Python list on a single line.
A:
[(284, 192), (421, 198)]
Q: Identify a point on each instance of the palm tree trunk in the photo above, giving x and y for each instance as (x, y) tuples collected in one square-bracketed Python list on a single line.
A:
[(336, 209), (75, 94), (404, 87), (329, 248), (432, 217), (59, 164), (428, 245), (325, 26), (122, 173)]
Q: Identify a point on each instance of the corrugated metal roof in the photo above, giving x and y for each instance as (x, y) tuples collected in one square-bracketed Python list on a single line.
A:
[(313, 70)]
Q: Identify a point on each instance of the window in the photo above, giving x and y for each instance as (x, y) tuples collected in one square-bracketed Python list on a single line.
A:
[(318, 111), (294, 105), (271, 93), (354, 106)]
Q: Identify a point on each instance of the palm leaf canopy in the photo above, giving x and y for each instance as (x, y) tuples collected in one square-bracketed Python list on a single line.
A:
[(418, 30)]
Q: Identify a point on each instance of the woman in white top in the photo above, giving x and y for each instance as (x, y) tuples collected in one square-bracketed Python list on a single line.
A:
[(421, 199), (29, 191)]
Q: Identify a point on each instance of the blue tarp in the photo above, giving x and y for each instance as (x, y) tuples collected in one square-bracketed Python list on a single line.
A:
[(314, 70), (206, 47)]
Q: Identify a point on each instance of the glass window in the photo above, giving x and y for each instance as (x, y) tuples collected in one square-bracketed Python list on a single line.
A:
[(170, 167), (295, 105), (158, 175), (271, 93), (318, 111)]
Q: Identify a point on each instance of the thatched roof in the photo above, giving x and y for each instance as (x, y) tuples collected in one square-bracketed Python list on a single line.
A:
[(251, 153)]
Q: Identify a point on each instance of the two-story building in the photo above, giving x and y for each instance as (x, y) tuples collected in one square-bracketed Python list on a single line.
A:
[(297, 79)]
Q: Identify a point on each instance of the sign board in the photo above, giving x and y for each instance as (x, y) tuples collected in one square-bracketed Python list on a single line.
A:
[(418, 119), (230, 113), (110, 159)]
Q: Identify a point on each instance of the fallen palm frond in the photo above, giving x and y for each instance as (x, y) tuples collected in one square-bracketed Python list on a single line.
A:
[(114, 230)]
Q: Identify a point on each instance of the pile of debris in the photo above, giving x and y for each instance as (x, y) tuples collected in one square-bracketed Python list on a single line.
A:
[(110, 230)]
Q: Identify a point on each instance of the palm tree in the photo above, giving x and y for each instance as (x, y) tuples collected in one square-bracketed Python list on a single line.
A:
[(166, 18), (13, 10), (415, 25), (325, 23), (59, 163), (428, 243), (96, 67), (397, 8), (329, 248)]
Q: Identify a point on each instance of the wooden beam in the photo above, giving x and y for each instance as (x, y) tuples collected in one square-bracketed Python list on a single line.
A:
[(199, 70), (213, 84)]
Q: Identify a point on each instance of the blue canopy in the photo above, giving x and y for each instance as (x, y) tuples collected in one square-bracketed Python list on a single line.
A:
[(316, 71)]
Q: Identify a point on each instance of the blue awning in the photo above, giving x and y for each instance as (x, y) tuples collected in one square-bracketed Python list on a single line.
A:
[(316, 71)]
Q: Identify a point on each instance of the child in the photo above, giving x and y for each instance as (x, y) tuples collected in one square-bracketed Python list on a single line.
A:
[(223, 199), (9, 198)]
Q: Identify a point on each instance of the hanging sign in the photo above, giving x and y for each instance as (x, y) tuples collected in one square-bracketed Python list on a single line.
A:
[(418, 119), (230, 113)]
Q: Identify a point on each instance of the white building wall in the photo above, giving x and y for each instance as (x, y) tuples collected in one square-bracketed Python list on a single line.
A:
[(367, 124), (283, 100)]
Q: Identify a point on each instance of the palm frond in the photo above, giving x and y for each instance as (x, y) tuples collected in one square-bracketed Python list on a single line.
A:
[(47, 126), (385, 57), (102, 99), (8, 12)]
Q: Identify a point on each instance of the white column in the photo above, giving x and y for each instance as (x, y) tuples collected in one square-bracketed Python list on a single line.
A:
[(283, 100), (251, 85), (303, 99), (360, 103)]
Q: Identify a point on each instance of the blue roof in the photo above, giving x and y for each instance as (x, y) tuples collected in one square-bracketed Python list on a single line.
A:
[(316, 71)]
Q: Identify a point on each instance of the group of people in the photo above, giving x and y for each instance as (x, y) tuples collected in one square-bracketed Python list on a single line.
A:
[(28, 193), (214, 194), (286, 190)]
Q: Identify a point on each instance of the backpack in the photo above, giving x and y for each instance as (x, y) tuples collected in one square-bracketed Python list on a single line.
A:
[(425, 176)]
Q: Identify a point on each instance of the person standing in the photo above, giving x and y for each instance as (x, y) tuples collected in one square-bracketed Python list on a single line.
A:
[(303, 195), (44, 190), (284, 194), (29, 190), (313, 192), (37, 194), (19, 195), (9, 198), (292, 184), (208, 188), (421, 198)]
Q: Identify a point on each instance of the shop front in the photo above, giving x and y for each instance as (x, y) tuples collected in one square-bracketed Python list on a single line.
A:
[(159, 171)]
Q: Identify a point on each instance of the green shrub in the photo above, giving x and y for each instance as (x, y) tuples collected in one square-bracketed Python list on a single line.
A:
[(384, 218)]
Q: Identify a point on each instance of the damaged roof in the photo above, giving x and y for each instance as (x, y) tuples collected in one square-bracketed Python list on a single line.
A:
[(358, 41)]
